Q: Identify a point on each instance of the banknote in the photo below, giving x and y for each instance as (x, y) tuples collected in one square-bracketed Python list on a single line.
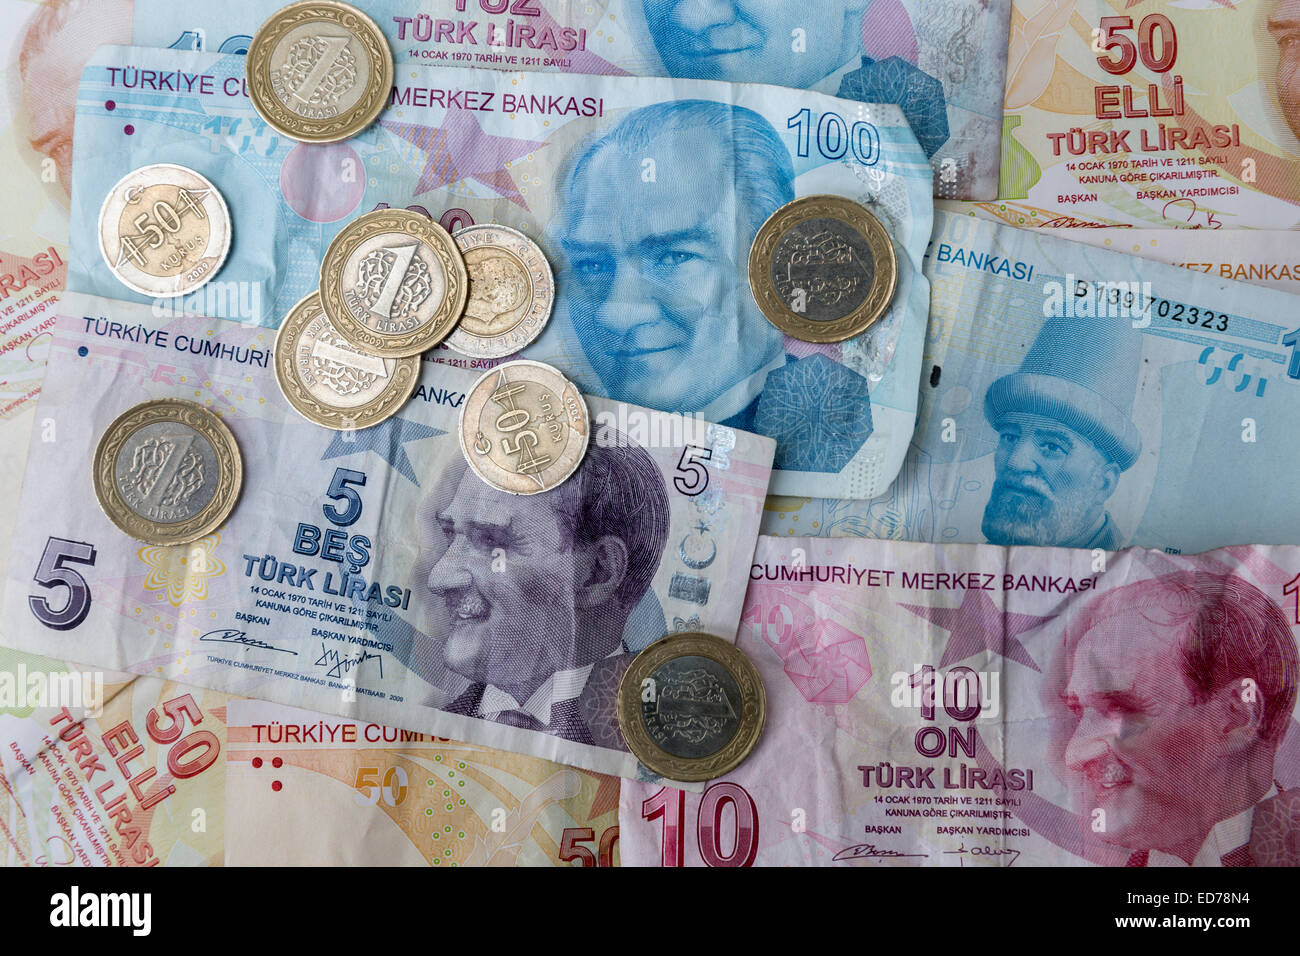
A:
[(1267, 257), (304, 788), (1165, 114), (41, 62), (653, 304), (102, 768), (1080, 397), (942, 62), (975, 705), (369, 572)]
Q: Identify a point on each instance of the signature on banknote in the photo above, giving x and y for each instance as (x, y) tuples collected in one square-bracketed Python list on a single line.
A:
[(228, 635), (865, 851), (340, 665), (989, 851)]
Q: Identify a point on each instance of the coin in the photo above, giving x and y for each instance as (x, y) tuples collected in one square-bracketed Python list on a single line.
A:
[(393, 283), (164, 230), (167, 471), (319, 71), (691, 707), (823, 269), (524, 427), (511, 291), (331, 383)]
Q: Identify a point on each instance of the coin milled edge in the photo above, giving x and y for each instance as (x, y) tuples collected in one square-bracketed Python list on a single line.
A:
[(417, 227), (400, 387), (206, 423), (774, 307), (753, 715), (257, 71)]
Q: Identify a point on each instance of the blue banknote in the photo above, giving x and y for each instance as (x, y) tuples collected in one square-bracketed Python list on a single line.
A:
[(371, 572), (1078, 397), (942, 61), (645, 194)]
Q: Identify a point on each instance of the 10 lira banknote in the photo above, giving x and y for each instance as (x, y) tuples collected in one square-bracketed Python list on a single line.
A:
[(371, 573), (1081, 397), (645, 194), (941, 62), (973, 705), (1165, 114)]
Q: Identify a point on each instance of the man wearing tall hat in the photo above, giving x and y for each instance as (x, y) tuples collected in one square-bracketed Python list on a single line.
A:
[(1065, 436)]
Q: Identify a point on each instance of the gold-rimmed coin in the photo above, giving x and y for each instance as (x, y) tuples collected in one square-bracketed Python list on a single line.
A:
[(691, 707), (823, 269), (319, 71), (167, 471), (524, 427), (393, 283), (511, 292), (328, 381), (164, 230)]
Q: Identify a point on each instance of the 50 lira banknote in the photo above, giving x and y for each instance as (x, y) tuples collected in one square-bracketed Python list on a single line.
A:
[(1168, 114), (370, 573), (645, 194), (972, 705), (941, 62), (304, 788)]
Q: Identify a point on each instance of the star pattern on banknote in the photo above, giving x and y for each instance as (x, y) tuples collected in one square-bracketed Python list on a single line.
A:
[(979, 625), (461, 149), (387, 440), (818, 411)]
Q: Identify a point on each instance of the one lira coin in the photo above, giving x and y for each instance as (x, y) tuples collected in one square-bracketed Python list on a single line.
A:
[(511, 292)]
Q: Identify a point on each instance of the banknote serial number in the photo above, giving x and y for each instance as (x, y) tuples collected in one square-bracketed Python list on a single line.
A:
[(1134, 300)]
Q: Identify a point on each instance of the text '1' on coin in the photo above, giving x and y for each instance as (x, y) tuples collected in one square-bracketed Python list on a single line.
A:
[(393, 283), (167, 471), (823, 269), (319, 71), (691, 707), (331, 383), (524, 427)]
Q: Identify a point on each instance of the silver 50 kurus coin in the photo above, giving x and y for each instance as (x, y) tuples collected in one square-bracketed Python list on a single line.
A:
[(164, 230), (319, 71), (511, 291), (691, 707), (328, 381), (524, 427), (393, 283), (167, 471), (823, 269)]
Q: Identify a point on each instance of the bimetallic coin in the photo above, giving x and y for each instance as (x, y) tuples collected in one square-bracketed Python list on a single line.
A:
[(511, 291), (167, 471), (164, 230), (524, 427), (331, 383), (393, 283), (691, 707), (823, 269), (319, 71)]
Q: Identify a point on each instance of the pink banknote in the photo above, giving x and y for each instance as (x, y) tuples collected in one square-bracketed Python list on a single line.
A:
[(973, 705)]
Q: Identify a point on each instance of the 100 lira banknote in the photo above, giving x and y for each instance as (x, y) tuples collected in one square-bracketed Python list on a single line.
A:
[(304, 788), (371, 573), (1079, 397), (1164, 114), (942, 62), (645, 194), (972, 705)]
